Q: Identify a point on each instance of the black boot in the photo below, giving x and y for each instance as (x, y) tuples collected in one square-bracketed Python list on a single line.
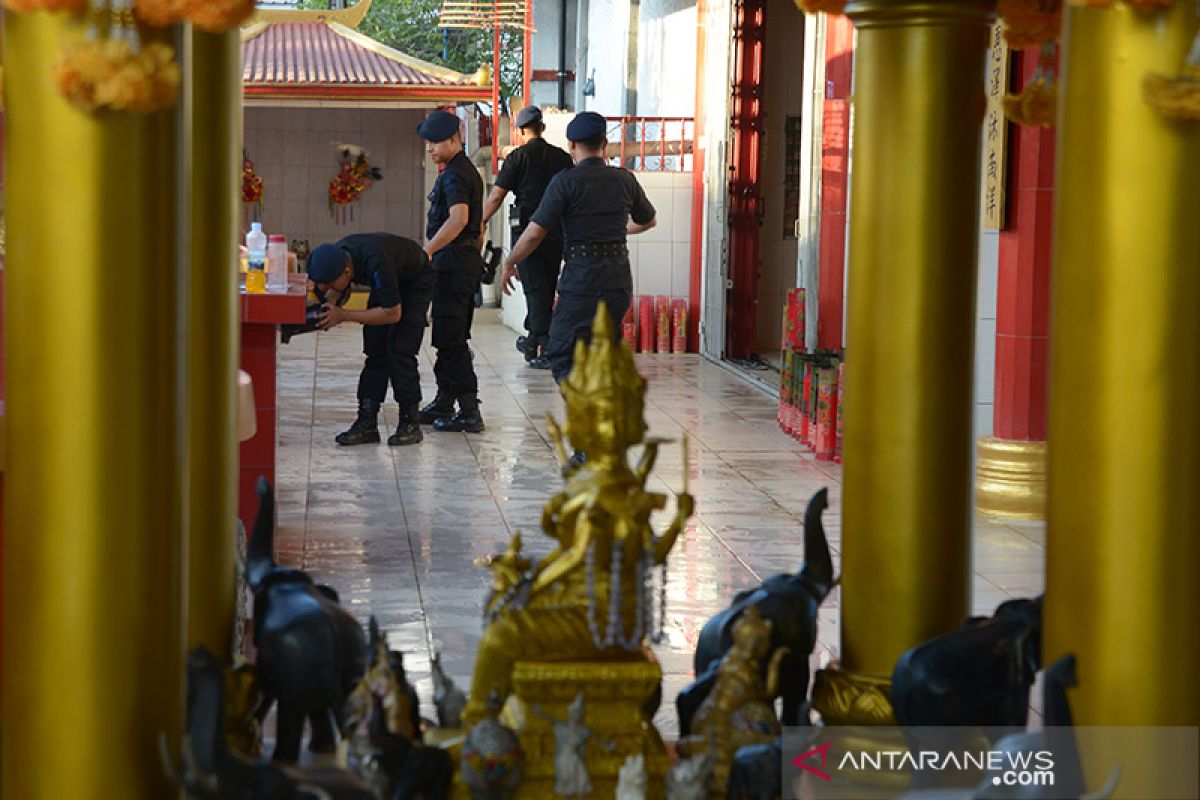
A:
[(439, 408), (528, 346), (365, 429), (468, 419), (409, 429)]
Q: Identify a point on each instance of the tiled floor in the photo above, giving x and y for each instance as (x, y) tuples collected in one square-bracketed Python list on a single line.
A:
[(397, 530)]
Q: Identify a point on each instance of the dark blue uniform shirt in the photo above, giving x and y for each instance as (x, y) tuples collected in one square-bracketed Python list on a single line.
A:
[(458, 183), (527, 171), (382, 262), (593, 203)]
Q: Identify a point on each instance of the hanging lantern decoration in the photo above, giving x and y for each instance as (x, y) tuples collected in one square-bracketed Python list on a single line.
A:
[(355, 177), (1037, 103), (1030, 23), (822, 6), (111, 68), (1177, 97), (252, 191)]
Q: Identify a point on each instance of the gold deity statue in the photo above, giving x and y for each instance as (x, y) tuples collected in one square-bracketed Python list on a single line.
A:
[(589, 599), (739, 710)]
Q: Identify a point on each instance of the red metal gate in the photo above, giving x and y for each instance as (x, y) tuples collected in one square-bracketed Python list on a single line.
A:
[(745, 183)]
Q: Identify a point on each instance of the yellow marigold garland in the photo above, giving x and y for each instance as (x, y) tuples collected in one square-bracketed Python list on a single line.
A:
[(25, 6), (111, 74), (1030, 23), (1177, 97), (827, 6), (215, 16), (1037, 104)]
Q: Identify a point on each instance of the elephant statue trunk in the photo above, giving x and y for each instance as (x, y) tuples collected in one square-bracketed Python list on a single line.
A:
[(790, 602)]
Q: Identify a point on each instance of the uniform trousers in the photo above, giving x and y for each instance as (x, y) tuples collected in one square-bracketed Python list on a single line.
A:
[(391, 350), (539, 280), (458, 269), (576, 310)]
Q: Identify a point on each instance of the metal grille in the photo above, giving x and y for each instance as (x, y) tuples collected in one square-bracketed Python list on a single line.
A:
[(652, 144)]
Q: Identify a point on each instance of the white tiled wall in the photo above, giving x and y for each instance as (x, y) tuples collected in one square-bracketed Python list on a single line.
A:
[(294, 152), (985, 331)]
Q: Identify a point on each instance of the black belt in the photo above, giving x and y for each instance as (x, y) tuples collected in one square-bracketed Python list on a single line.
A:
[(597, 250)]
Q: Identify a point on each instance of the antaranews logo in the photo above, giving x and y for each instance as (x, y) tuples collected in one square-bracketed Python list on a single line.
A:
[(818, 766)]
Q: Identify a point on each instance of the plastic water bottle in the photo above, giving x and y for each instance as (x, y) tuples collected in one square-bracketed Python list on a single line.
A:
[(256, 259), (277, 263)]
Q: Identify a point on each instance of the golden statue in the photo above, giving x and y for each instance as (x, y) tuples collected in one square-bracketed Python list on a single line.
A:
[(739, 710), (589, 599)]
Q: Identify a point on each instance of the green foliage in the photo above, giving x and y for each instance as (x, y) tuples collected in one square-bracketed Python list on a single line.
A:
[(411, 26)]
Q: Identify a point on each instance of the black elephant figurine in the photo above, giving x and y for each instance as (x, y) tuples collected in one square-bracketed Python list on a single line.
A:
[(311, 651), (211, 771), (977, 676), (1056, 737), (790, 602)]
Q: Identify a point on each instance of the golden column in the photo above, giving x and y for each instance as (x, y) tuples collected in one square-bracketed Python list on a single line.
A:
[(215, 143), (93, 551), (1123, 544), (914, 222)]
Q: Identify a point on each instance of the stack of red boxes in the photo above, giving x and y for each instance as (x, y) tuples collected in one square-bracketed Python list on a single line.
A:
[(656, 324), (810, 396)]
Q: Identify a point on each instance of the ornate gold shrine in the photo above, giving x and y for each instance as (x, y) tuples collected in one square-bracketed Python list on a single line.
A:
[(580, 618)]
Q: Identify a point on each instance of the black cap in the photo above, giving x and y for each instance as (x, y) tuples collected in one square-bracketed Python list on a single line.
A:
[(438, 126), (586, 125), (529, 115), (325, 263)]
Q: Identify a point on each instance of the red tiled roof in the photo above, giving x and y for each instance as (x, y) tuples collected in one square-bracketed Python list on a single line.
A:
[(330, 60)]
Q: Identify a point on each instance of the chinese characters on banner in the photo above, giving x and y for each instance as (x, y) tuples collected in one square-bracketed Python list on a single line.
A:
[(995, 131)]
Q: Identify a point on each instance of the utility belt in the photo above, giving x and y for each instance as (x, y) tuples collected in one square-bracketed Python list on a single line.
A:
[(597, 250)]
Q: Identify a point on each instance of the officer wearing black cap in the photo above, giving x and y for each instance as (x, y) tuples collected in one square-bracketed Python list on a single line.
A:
[(597, 206), (526, 172), (453, 230), (401, 282)]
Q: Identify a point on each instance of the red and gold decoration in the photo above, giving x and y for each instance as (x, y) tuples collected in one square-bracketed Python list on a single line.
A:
[(354, 178), (1030, 23), (1037, 102), (252, 189), (1177, 97), (214, 16)]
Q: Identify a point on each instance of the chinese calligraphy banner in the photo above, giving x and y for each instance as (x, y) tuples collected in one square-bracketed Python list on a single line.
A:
[(995, 129)]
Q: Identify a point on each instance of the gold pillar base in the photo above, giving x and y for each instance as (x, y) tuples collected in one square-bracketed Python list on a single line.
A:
[(849, 698), (1010, 479)]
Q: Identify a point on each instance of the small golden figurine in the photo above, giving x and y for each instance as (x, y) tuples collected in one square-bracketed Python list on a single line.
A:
[(739, 709), (589, 599)]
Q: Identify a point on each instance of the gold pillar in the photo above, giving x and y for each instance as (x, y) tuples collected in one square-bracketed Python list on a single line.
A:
[(914, 221), (93, 552), (212, 328), (1010, 478), (1123, 521)]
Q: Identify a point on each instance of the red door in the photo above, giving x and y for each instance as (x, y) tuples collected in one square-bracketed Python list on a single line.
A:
[(745, 183)]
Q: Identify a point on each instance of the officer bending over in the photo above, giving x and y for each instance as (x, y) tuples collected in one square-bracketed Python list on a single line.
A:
[(455, 211), (597, 206), (526, 172), (401, 282)]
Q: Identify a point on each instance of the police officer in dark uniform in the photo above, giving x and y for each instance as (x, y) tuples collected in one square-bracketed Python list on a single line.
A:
[(526, 172), (597, 206), (398, 273), (453, 231)]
